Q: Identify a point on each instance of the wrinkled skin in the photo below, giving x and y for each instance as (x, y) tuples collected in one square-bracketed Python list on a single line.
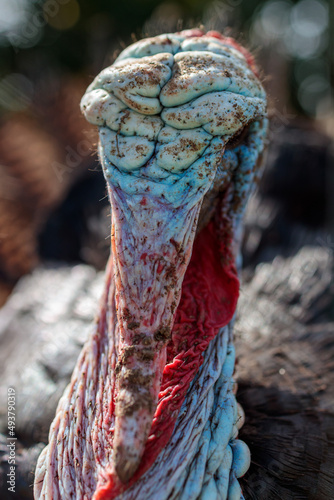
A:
[(182, 123)]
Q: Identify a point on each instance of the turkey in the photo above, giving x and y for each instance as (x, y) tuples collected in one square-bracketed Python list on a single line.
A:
[(150, 411)]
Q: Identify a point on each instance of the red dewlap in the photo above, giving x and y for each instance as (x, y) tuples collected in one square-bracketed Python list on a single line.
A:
[(210, 293)]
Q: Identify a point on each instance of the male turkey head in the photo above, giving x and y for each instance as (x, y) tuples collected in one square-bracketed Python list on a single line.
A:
[(181, 122)]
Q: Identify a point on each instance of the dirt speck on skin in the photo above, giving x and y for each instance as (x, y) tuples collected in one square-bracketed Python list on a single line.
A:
[(134, 378), (146, 354), (171, 277), (127, 406), (126, 354), (176, 245), (126, 316), (173, 306), (163, 334), (133, 325), (141, 338)]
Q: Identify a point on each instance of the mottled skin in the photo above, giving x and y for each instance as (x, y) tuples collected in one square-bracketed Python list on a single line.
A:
[(167, 110)]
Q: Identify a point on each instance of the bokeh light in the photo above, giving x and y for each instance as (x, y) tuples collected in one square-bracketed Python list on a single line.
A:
[(313, 91), (17, 28), (274, 19), (12, 15), (61, 16), (309, 18), (298, 32)]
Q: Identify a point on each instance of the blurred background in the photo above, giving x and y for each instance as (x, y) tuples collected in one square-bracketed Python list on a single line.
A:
[(54, 214), (52, 195)]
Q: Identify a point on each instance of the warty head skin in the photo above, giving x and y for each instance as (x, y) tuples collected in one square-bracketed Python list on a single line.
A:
[(182, 126)]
